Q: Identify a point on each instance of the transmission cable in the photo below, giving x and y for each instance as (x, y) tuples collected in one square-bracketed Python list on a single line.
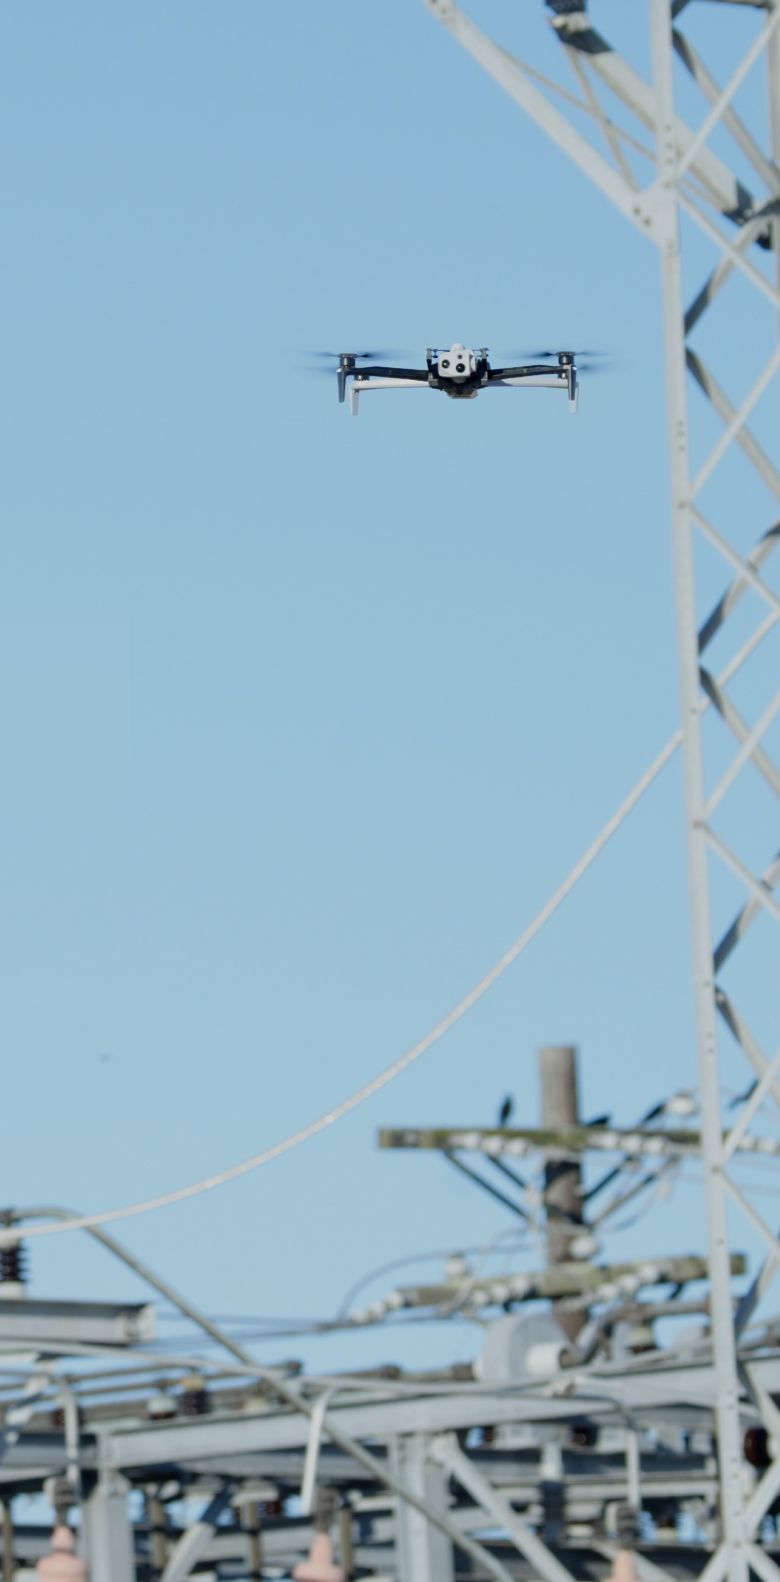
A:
[(384, 1078)]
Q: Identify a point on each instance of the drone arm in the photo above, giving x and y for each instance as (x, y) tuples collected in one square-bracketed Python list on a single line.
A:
[(528, 371), (375, 371)]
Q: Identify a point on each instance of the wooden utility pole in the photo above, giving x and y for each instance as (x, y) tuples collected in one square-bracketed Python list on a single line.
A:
[(158, 1543), (254, 1549), (562, 1177), (9, 1566)]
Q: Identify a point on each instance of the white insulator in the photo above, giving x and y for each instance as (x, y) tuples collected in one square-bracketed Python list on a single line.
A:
[(494, 1146), (368, 1315), (648, 1274), (583, 1246), (519, 1285), (456, 1268), (518, 1147), (543, 1358), (395, 1300), (632, 1143), (500, 1292), (681, 1104), (552, 1462), (627, 1284), (605, 1139), (161, 1405)]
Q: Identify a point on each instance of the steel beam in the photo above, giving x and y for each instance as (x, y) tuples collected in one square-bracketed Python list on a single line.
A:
[(25, 1322), (108, 1532)]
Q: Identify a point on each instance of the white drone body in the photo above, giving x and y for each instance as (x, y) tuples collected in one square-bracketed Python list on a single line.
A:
[(461, 372)]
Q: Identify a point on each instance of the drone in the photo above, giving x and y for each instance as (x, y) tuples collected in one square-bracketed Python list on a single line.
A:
[(459, 371)]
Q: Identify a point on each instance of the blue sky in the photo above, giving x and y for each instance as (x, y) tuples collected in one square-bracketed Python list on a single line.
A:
[(305, 718)]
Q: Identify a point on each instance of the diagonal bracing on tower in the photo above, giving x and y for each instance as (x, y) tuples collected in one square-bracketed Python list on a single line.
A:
[(705, 190)]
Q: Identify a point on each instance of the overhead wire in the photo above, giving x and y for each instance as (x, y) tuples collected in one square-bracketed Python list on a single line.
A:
[(330, 1117), (384, 1078), (318, 1330), (508, 1235), (459, 1301)]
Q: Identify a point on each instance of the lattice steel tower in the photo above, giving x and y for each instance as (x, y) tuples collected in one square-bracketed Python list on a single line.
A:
[(706, 191)]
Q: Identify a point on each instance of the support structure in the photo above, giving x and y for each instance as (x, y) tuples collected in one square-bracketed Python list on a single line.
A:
[(562, 1177), (108, 1532), (712, 186), (423, 1551)]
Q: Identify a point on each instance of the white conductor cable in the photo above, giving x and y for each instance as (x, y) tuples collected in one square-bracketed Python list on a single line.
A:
[(321, 1124), (384, 1078)]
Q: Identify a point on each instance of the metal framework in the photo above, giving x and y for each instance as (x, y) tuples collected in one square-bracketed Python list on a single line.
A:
[(526, 1464), (535, 1461), (715, 184), (513, 1472), (502, 1497)]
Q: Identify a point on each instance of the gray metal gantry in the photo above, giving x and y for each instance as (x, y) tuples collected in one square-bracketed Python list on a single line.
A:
[(711, 188)]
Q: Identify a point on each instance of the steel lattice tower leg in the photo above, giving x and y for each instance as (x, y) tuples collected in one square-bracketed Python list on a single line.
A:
[(685, 187), (727, 1412)]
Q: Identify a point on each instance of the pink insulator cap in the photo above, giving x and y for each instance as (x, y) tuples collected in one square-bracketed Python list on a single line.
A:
[(623, 1567), (320, 1566), (62, 1564)]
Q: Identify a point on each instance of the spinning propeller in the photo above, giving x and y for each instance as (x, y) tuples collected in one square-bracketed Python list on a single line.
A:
[(347, 362), (379, 355), (587, 359)]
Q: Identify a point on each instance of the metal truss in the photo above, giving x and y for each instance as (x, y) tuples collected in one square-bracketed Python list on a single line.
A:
[(516, 1474), (709, 189)]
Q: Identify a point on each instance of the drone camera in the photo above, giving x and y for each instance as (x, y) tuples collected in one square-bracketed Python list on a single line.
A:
[(458, 363)]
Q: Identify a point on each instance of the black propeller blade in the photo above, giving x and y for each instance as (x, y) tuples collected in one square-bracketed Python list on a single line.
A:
[(588, 359), (378, 355)]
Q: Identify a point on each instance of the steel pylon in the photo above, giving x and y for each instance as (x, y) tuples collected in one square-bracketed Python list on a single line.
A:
[(706, 186)]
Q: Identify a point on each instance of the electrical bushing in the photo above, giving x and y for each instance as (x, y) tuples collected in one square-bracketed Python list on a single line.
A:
[(62, 1564)]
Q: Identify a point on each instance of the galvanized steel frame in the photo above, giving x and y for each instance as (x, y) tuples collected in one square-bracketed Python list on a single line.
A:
[(692, 184)]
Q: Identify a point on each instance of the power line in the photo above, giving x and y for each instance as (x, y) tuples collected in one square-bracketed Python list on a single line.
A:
[(330, 1117)]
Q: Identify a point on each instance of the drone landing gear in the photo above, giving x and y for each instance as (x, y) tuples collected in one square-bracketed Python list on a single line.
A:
[(345, 368), (574, 390), (568, 365)]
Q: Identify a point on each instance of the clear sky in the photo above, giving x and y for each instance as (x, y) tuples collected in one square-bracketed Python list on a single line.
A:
[(303, 718)]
